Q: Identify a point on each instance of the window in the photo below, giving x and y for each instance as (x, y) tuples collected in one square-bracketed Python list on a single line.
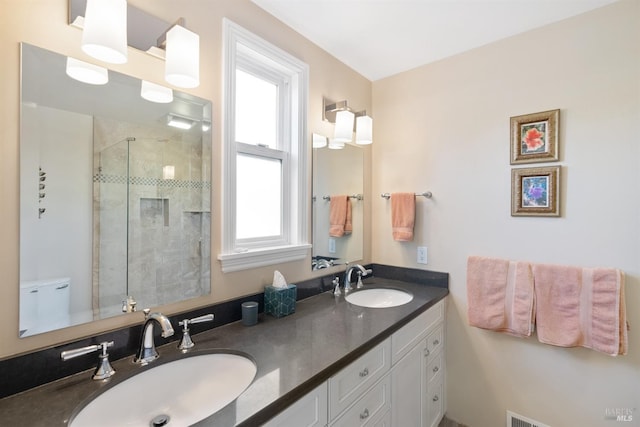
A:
[(265, 155)]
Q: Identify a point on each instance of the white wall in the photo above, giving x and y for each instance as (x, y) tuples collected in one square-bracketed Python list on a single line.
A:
[(444, 127)]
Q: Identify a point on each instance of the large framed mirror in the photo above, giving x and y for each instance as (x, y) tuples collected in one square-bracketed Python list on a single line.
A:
[(114, 202), (337, 173)]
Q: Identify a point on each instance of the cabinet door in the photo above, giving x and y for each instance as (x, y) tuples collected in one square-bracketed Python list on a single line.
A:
[(435, 402), (371, 409), (309, 411), (408, 387)]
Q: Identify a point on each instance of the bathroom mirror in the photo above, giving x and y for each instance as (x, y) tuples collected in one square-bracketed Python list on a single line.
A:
[(113, 200), (337, 172)]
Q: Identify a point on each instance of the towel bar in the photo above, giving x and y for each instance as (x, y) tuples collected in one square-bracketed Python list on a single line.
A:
[(426, 194), (354, 196)]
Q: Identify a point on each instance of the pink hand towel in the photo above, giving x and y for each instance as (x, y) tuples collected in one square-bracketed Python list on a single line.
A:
[(500, 295), (403, 215), (338, 212), (581, 307)]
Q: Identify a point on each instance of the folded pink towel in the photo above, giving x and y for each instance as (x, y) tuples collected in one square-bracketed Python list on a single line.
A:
[(581, 307), (403, 216), (500, 295), (339, 216)]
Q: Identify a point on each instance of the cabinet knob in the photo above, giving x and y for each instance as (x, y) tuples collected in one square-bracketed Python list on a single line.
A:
[(436, 342), (435, 398), (435, 369), (364, 372), (365, 414), (426, 352)]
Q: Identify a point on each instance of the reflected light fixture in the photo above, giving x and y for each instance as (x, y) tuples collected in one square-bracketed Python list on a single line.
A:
[(168, 172), (104, 35), (335, 145), (156, 93), (179, 122), (86, 73), (182, 66), (318, 141), (364, 130)]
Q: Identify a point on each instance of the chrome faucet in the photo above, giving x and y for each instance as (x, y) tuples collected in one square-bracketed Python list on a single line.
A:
[(147, 351), (347, 276)]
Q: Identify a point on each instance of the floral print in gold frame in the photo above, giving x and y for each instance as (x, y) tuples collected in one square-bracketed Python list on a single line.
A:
[(534, 137)]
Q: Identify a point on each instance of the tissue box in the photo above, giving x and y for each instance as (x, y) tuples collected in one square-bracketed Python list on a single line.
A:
[(280, 301)]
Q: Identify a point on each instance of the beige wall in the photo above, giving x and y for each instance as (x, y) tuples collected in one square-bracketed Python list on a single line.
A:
[(445, 128), (44, 23)]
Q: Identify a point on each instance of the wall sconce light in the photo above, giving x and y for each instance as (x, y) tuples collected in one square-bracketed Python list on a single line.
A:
[(180, 122), (104, 36), (156, 93), (343, 116), (86, 73), (182, 58), (318, 141)]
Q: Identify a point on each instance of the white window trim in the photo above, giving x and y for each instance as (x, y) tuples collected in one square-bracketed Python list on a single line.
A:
[(235, 38)]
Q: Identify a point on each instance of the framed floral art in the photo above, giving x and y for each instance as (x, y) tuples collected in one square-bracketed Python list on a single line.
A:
[(535, 191), (534, 137)]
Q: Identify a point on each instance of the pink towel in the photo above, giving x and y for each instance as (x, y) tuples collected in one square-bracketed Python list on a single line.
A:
[(403, 215), (339, 216), (500, 295), (581, 307)]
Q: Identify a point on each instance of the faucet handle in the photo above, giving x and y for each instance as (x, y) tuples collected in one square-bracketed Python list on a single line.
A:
[(336, 287), (104, 369), (186, 342)]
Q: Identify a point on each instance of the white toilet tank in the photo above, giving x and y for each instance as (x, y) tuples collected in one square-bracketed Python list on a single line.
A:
[(44, 305)]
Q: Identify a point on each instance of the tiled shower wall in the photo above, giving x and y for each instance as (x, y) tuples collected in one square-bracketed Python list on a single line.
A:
[(156, 247)]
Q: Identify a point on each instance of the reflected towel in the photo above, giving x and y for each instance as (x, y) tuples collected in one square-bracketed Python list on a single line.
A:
[(403, 215), (339, 210), (581, 307), (500, 295), (348, 225)]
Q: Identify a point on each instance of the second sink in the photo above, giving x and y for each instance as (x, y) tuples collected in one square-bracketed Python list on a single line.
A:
[(379, 297), (176, 393)]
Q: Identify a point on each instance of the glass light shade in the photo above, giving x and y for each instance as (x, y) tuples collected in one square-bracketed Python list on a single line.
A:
[(179, 122), (318, 141), (156, 93), (344, 126), (364, 130), (336, 145), (168, 172), (182, 67), (104, 36), (86, 73)]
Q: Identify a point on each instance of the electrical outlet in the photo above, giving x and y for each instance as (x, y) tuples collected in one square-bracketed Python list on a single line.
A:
[(332, 246), (422, 254)]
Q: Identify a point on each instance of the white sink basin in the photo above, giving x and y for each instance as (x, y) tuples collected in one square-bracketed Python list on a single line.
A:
[(379, 298), (186, 390)]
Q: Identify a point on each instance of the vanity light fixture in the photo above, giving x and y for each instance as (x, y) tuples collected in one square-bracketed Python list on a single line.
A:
[(180, 122), (86, 73), (318, 141), (104, 36), (343, 116), (206, 125), (156, 93), (182, 57)]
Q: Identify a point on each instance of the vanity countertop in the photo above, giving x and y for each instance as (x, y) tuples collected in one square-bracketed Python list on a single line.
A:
[(294, 354)]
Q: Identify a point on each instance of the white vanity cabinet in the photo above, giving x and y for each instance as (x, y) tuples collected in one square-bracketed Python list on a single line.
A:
[(309, 411), (417, 375), (398, 383)]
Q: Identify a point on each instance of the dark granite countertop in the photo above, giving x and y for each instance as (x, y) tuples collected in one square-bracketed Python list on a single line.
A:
[(294, 354)]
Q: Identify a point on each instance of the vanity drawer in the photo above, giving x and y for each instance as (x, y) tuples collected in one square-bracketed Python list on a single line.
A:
[(435, 341), (435, 402), (413, 332), (435, 367), (373, 409), (348, 384)]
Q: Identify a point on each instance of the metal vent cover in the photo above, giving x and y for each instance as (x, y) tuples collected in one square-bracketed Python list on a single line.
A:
[(516, 420)]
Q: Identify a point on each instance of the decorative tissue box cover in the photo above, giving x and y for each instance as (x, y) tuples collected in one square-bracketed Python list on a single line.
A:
[(280, 301)]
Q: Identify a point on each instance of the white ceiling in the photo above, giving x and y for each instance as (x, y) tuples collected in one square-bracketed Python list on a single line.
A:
[(379, 38)]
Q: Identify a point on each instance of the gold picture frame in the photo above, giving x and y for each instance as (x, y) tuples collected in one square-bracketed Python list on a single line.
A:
[(535, 191), (534, 137)]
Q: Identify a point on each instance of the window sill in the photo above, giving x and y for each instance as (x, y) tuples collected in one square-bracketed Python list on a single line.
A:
[(262, 257)]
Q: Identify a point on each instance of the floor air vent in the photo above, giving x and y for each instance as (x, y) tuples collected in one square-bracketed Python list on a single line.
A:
[(515, 420)]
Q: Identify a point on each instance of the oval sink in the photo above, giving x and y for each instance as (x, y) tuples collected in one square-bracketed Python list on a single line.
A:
[(379, 298), (176, 393)]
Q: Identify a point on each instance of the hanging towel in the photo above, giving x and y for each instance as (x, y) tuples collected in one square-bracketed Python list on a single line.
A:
[(339, 211), (403, 215), (581, 307), (500, 295)]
